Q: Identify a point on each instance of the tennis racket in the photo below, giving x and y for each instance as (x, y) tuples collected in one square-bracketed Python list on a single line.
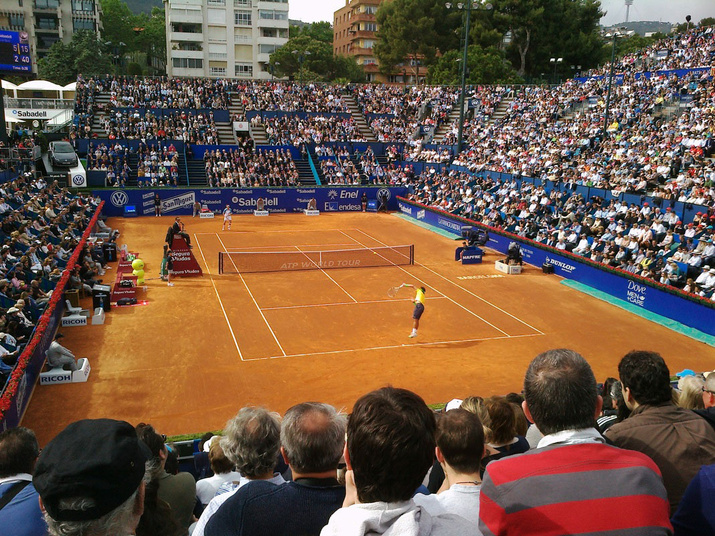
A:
[(392, 292)]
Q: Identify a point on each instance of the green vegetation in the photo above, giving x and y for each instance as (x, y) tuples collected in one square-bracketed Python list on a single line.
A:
[(507, 38), (314, 45)]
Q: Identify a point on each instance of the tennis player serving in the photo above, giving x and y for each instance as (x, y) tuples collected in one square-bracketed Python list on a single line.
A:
[(419, 307)]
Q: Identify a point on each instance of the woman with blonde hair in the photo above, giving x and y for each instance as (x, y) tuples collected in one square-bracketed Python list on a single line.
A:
[(691, 392)]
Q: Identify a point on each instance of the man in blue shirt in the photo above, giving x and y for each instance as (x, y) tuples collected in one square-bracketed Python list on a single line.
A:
[(18, 453)]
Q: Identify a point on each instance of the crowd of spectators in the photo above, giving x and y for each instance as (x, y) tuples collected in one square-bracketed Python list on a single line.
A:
[(40, 227), (644, 240), (639, 446), (313, 129), (197, 128), (290, 97), (179, 93), (247, 167)]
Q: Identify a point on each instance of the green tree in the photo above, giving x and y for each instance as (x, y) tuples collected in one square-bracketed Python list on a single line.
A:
[(85, 54), (314, 45), (484, 66), (151, 33), (118, 23), (407, 29)]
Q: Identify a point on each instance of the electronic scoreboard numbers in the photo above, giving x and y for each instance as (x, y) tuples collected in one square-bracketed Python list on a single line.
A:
[(15, 52)]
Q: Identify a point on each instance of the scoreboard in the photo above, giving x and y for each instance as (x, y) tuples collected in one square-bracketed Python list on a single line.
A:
[(15, 52)]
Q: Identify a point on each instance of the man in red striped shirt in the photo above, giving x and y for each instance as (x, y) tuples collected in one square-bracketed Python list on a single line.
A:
[(572, 483)]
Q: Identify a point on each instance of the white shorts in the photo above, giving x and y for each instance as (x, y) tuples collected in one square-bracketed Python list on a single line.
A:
[(227, 217)]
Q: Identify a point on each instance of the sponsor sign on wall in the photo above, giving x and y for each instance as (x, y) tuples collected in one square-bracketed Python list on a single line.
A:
[(244, 200)]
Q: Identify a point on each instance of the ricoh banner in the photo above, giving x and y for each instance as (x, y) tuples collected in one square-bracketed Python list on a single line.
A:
[(631, 290), (244, 200)]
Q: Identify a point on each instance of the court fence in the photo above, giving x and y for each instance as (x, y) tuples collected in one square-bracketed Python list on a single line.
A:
[(233, 262)]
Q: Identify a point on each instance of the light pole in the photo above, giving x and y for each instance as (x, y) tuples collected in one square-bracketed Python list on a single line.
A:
[(615, 34), (468, 16), (301, 58), (556, 62)]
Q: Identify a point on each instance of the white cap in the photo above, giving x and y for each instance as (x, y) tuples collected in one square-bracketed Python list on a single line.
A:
[(455, 403)]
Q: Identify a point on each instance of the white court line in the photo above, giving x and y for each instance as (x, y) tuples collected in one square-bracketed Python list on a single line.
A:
[(326, 274), (208, 270), (432, 286), (465, 289), (302, 231), (239, 250), (343, 303), (409, 345), (254, 299)]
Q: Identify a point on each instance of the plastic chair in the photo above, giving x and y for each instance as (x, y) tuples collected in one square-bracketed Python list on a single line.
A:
[(71, 309)]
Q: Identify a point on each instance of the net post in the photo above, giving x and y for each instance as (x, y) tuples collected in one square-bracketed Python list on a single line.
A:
[(220, 262), (412, 253)]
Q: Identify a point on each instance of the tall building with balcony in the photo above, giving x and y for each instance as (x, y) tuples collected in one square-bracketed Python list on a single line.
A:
[(224, 38), (49, 21), (354, 34)]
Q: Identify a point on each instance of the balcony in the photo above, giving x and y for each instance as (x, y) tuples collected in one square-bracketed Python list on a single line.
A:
[(362, 17), (186, 15), (242, 39), (185, 36), (358, 34)]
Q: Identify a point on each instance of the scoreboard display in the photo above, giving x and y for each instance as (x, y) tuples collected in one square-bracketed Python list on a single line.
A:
[(15, 52)]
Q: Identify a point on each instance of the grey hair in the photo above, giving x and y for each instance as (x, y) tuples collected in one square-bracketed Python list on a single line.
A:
[(313, 436), (252, 441), (118, 522)]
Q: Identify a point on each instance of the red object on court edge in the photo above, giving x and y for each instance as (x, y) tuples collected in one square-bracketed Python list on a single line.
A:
[(185, 264)]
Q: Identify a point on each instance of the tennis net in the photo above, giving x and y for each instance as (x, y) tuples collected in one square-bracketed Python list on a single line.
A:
[(232, 262)]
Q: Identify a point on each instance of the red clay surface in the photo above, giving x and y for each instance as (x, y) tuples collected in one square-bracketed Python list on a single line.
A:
[(199, 351)]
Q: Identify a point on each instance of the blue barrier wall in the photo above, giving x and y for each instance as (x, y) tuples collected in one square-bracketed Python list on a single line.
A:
[(635, 290), (177, 201), (14, 414)]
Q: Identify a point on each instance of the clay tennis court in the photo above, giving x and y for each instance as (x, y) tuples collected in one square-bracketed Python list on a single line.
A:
[(197, 352)]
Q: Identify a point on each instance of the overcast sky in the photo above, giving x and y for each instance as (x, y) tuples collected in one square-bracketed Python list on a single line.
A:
[(660, 10)]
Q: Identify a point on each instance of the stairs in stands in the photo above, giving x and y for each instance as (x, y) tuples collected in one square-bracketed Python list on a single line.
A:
[(305, 174), (226, 135), (258, 133), (446, 126), (197, 172), (102, 101), (501, 110), (359, 117)]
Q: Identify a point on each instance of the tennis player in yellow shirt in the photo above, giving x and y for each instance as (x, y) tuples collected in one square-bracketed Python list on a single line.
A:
[(419, 307)]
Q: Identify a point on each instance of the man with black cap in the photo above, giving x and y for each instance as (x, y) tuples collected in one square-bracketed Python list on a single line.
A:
[(90, 478)]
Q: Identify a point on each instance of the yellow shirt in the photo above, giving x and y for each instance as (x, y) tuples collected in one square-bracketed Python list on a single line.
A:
[(420, 296)]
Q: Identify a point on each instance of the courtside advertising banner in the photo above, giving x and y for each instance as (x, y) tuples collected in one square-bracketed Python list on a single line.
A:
[(619, 286), (175, 201)]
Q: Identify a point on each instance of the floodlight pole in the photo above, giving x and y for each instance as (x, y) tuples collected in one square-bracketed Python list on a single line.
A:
[(610, 85), (460, 131)]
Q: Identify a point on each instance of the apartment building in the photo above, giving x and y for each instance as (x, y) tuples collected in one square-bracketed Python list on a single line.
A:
[(224, 38), (49, 21), (354, 29)]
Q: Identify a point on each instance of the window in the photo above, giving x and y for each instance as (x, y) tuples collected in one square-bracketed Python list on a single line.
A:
[(83, 24), (16, 19), (46, 22), (188, 45), (47, 4), (187, 63), (244, 70), (271, 14), (267, 49), (184, 27), (371, 10), (242, 3), (86, 6), (242, 18), (369, 27), (217, 71)]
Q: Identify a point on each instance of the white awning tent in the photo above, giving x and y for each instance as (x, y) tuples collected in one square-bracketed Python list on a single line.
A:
[(9, 86), (44, 86), (71, 87)]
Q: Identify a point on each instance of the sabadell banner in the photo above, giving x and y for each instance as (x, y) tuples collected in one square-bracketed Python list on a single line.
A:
[(181, 201)]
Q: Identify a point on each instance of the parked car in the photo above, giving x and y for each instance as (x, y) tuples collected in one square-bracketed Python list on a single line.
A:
[(62, 154)]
